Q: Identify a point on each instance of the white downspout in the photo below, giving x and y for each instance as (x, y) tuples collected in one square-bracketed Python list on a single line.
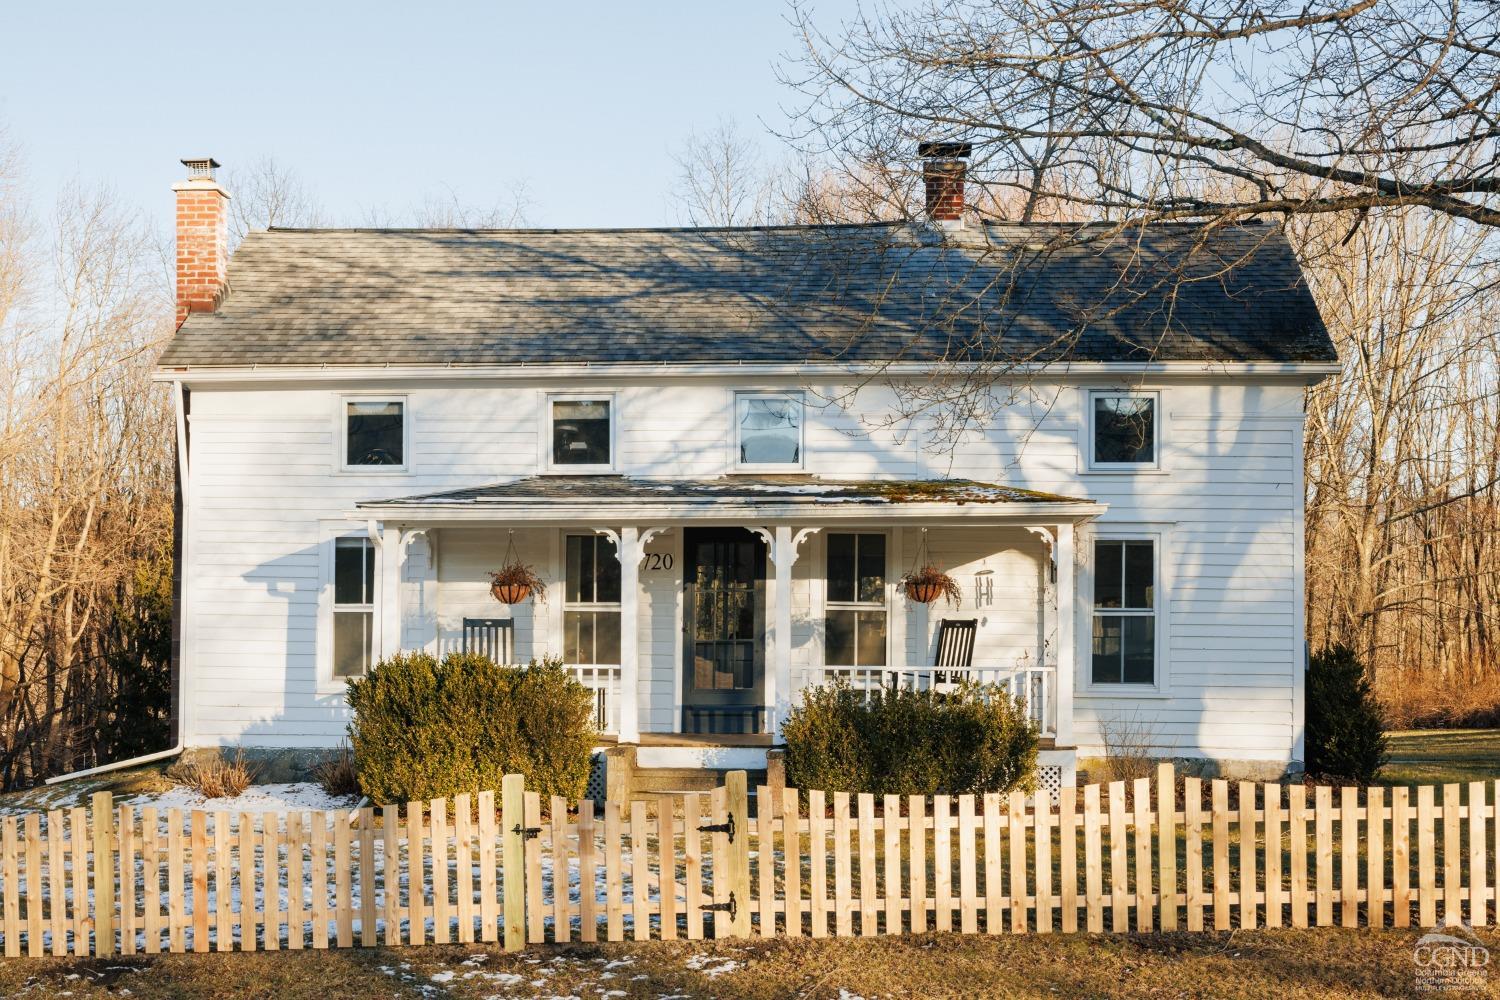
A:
[(182, 655)]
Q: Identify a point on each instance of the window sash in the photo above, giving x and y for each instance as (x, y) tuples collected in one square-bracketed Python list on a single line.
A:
[(768, 416), (1125, 642), (591, 627), (367, 427), (1102, 407), (856, 624), (575, 440), (353, 622)]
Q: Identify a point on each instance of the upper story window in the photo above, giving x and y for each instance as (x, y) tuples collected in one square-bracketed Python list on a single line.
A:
[(591, 601), (374, 433), (1124, 612), (768, 430), (582, 432), (1123, 430), (855, 624), (353, 605)]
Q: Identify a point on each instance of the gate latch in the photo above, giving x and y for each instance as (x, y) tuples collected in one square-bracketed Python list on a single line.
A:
[(526, 831)]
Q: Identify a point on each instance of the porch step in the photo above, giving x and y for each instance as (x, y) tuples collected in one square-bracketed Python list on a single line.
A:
[(673, 780)]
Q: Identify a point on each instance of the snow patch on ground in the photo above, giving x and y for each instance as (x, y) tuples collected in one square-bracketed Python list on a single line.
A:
[(297, 795), (713, 966)]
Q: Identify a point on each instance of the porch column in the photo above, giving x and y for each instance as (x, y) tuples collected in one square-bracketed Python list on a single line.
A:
[(779, 677), (630, 642), (387, 638), (1067, 645)]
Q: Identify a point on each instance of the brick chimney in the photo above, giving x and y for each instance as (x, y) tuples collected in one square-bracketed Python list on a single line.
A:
[(202, 239), (943, 167)]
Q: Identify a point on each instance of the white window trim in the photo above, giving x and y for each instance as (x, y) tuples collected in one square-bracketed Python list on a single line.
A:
[(1158, 427), (888, 604), (326, 683), (341, 434), (544, 450), (734, 435), (1161, 538), (617, 607)]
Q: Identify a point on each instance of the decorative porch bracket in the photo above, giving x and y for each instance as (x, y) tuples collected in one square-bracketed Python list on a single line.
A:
[(782, 545)]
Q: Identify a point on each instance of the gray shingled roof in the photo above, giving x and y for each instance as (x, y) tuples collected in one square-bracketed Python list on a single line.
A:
[(782, 294), (801, 490)]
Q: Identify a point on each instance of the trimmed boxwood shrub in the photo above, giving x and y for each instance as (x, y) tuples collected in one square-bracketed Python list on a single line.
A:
[(902, 742), (426, 729), (1345, 734)]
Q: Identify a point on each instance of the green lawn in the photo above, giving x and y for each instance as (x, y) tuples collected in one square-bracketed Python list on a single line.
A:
[(1439, 756)]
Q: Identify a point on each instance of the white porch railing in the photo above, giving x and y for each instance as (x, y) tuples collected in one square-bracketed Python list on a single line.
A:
[(1034, 685), (603, 682)]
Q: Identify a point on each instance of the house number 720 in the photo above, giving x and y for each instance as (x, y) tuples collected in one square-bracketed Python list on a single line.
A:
[(658, 560)]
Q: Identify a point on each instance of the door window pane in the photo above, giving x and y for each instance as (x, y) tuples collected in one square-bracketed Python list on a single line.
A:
[(770, 430), (1124, 429), (374, 433), (580, 432)]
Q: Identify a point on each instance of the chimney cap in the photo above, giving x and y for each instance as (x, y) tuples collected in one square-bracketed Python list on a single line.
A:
[(945, 150), (200, 167)]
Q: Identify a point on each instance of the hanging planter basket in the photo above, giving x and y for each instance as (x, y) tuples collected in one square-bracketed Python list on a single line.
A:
[(515, 582), (924, 591), (925, 582)]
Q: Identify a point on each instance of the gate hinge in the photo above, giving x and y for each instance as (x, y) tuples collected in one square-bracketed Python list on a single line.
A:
[(732, 907), (726, 827)]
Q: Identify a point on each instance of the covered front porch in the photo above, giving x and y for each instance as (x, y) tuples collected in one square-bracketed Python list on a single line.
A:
[(698, 610)]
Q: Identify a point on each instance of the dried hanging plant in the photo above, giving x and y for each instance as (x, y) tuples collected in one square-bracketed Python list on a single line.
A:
[(515, 581)]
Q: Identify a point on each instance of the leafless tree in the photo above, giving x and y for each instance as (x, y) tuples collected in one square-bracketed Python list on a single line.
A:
[(266, 193), (448, 211), (722, 180)]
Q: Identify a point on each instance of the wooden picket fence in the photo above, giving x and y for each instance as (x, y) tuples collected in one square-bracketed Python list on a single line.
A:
[(1116, 857)]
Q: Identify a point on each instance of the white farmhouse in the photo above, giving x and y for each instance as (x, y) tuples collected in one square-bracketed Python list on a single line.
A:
[(714, 446)]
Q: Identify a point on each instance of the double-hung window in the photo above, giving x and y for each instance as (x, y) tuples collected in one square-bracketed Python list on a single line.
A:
[(591, 601), (1123, 431), (581, 433), (353, 605), (1125, 612), (768, 430), (855, 612), (374, 434)]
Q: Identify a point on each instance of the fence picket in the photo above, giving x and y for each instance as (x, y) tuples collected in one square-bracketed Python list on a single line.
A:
[(489, 903), (10, 848), (1067, 837), (416, 876), (513, 858), (1400, 858), (1016, 820), (562, 920), (891, 817), (1119, 884), (103, 861), (994, 867), (640, 885), (614, 906), (968, 903), (666, 852), (536, 914), (719, 851), (1166, 850), (33, 838), (1349, 857), (1375, 856), (57, 912), (867, 909), (817, 864), (1192, 821), (1297, 851), (246, 861), (791, 826), (692, 865), (842, 918), (367, 919), (319, 878), (1220, 805), (942, 864), (390, 845), (1323, 843), (1275, 894), (296, 882), (343, 900), (916, 867), (1478, 886), (442, 909), (1426, 887), (1042, 841), (223, 914), (463, 872), (1092, 854), (588, 918), (176, 922), (765, 867), (737, 803), (1143, 822), (1452, 857), (1246, 855), (198, 845)]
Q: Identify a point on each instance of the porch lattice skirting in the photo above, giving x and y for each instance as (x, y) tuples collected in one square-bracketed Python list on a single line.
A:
[(1114, 857)]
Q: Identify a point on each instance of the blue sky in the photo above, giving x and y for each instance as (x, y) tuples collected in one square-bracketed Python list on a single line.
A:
[(382, 105)]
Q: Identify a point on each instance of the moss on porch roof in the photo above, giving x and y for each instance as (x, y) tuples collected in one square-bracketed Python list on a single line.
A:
[(736, 489)]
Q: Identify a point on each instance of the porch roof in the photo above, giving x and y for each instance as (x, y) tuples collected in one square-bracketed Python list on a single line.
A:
[(786, 497)]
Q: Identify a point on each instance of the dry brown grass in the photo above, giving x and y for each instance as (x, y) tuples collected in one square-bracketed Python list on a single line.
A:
[(215, 776), (1317, 965), (337, 774), (1419, 699)]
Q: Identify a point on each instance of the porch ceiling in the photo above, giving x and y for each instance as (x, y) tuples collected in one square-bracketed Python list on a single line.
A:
[(790, 498)]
